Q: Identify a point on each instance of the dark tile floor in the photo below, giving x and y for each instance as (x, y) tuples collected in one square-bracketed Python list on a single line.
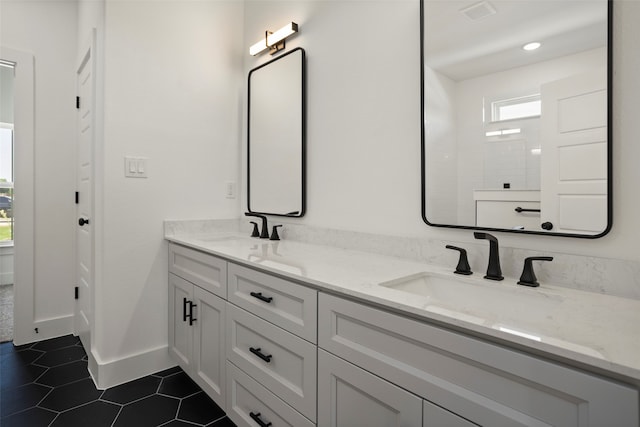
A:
[(48, 384)]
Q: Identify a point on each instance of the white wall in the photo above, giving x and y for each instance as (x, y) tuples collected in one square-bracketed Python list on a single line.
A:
[(47, 30), (364, 124), (363, 128), (172, 93)]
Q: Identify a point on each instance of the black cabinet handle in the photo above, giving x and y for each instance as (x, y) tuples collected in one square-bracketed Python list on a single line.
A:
[(191, 318), (184, 309), (83, 221), (519, 209), (547, 225), (256, 418), (257, 352), (261, 297)]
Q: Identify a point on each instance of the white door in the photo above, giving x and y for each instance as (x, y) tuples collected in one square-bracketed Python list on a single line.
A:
[(84, 223), (574, 153)]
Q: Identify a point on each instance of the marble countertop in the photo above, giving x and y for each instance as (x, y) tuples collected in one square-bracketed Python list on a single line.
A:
[(595, 330)]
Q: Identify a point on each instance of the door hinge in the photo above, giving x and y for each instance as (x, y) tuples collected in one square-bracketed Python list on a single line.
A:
[(76, 292), (78, 102)]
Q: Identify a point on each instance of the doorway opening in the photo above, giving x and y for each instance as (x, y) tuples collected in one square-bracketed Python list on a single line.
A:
[(7, 74)]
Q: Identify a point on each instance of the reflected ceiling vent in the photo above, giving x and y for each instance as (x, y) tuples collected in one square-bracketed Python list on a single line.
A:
[(478, 11)]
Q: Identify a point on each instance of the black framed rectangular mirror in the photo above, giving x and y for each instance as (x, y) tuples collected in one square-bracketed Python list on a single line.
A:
[(276, 136), (516, 115)]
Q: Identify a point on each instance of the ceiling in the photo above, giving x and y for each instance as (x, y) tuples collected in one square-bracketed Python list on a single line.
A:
[(462, 48)]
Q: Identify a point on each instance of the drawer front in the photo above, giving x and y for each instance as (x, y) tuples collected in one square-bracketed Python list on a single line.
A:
[(204, 270), (482, 382), (280, 361), (247, 400), (503, 214), (291, 306)]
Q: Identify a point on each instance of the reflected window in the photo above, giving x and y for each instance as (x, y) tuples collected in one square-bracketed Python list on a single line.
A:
[(516, 108)]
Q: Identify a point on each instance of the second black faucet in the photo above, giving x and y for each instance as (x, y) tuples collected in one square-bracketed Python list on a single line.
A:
[(494, 272), (264, 234)]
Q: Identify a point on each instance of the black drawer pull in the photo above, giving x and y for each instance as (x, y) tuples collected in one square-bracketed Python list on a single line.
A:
[(191, 318), (257, 352), (184, 309), (519, 209), (256, 418), (261, 297)]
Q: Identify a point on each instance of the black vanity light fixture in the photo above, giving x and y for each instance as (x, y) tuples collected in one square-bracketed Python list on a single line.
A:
[(274, 41)]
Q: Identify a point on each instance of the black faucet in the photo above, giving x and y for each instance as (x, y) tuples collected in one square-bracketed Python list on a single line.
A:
[(528, 277), (264, 234), (463, 266), (493, 269)]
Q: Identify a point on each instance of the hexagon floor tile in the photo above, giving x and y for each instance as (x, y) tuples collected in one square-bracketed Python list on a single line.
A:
[(47, 384)]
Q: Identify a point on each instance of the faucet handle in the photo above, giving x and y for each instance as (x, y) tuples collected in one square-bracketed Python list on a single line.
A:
[(463, 266), (255, 233), (274, 233), (528, 277)]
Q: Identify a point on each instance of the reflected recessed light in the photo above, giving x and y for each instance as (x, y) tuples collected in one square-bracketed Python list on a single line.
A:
[(531, 46)]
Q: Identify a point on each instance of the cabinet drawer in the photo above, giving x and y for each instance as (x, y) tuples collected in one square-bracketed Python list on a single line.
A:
[(245, 396), (280, 361), (485, 383), (204, 270), (291, 306)]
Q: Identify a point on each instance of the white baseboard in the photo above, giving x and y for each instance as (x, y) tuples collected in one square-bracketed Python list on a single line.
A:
[(116, 372)]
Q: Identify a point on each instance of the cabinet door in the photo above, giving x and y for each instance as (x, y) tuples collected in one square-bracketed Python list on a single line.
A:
[(435, 416), (208, 344), (180, 333), (349, 396)]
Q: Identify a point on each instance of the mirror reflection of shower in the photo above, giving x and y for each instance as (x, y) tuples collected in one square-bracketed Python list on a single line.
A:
[(7, 74)]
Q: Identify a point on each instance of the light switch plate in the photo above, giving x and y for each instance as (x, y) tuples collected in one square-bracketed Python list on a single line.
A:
[(135, 167), (230, 189)]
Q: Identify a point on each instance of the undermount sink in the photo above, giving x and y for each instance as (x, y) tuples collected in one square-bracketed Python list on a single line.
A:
[(500, 305)]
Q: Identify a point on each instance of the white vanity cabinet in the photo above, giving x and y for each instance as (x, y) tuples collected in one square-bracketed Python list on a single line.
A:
[(197, 321), (272, 351), (474, 380)]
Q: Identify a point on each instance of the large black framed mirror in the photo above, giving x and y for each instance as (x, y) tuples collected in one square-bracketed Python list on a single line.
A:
[(516, 115), (276, 126)]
